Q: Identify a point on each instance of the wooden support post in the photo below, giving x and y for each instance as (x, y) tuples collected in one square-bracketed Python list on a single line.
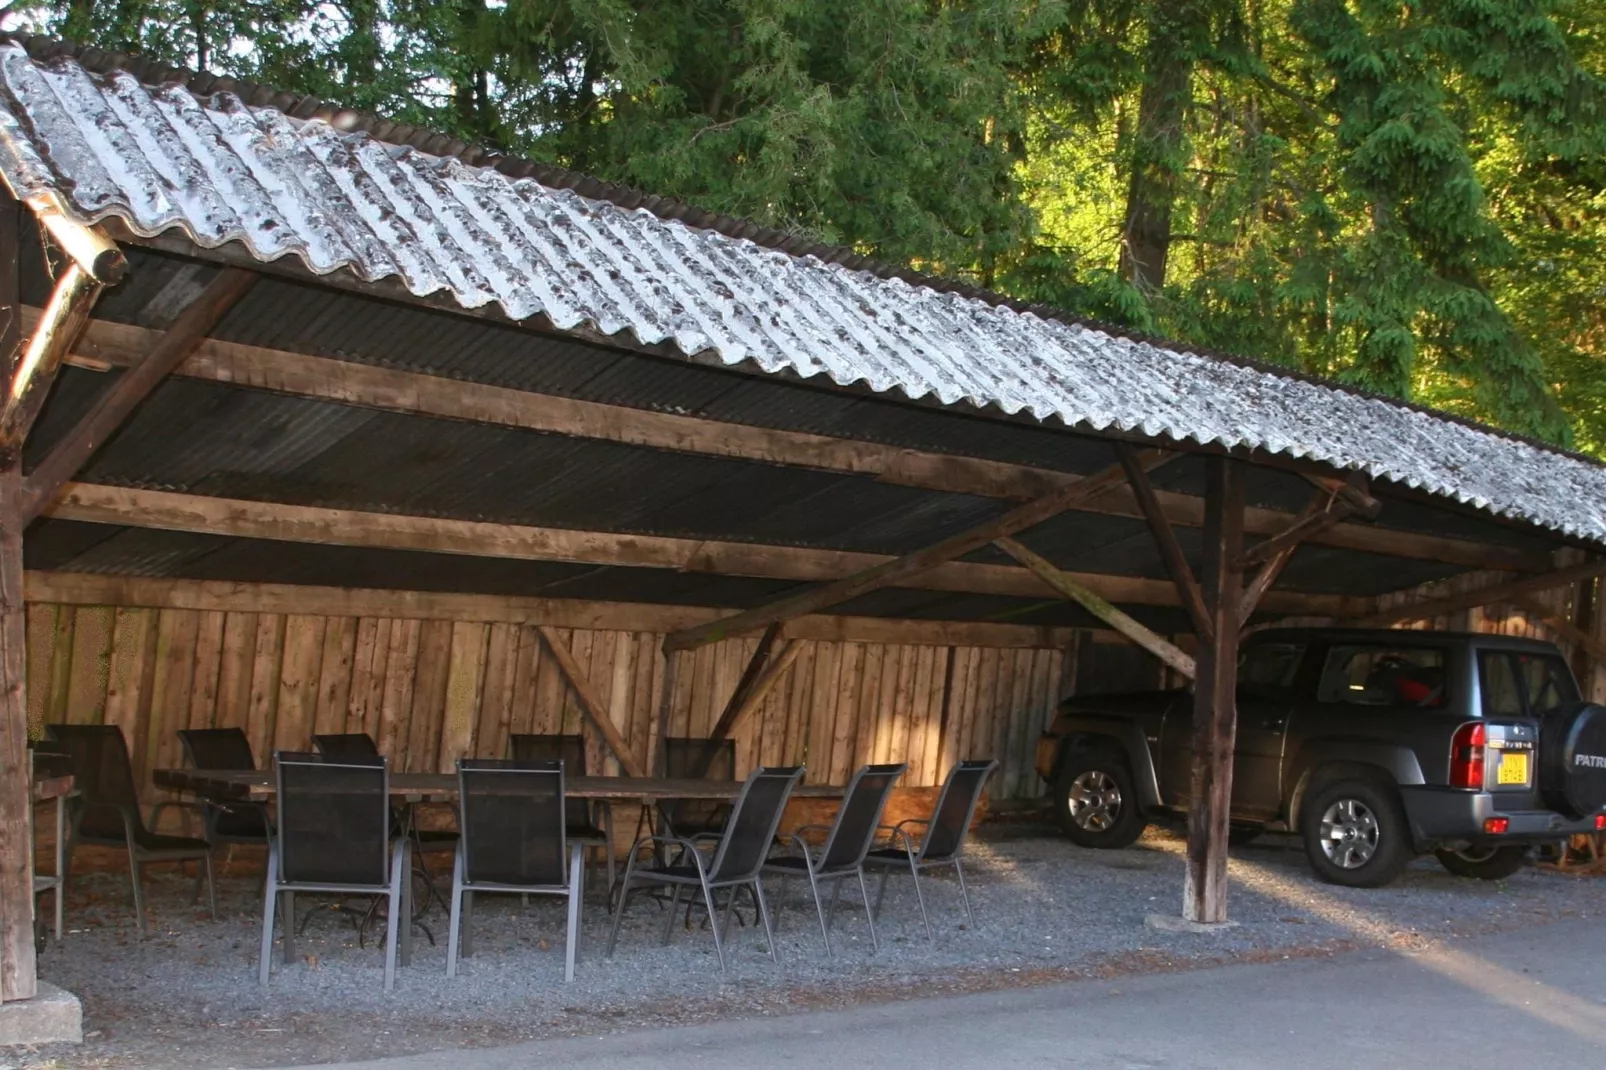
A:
[(18, 971), (1165, 537), (1215, 713), (98, 424), (1045, 570), (893, 572), (590, 704), (1583, 619)]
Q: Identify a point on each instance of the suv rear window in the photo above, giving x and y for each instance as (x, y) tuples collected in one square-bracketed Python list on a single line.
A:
[(1372, 674), (1515, 685)]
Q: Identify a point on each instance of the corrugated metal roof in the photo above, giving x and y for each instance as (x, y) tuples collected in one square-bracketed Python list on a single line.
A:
[(163, 159)]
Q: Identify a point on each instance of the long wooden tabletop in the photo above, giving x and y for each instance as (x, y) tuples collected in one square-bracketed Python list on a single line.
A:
[(442, 787)]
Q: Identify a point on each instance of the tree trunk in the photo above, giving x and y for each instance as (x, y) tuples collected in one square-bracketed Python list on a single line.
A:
[(1158, 153)]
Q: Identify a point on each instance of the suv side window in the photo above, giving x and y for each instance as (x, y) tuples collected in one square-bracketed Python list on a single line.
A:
[(1372, 674), (1515, 685), (1502, 694), (1266, 671)]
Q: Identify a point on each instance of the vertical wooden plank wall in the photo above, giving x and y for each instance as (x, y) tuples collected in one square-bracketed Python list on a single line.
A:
[(431, 691)]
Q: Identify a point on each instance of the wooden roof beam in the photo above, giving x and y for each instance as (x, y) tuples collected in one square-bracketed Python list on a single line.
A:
[(902, 569), (109, 344), (169, 511), (189, 330), (1176, 562), (1499, 591)]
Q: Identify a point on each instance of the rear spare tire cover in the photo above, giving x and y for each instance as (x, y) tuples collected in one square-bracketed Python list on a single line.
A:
[(1572, 759)]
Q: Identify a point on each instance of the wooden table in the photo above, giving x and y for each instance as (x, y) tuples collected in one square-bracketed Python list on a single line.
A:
[(59, 788), (442, 787)]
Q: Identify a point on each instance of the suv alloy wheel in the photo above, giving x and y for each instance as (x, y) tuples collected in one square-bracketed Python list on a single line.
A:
[(1355, 833), (1095, 801)]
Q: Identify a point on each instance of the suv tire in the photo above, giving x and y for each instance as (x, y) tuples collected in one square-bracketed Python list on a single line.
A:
[(1355, 833), (1484, 863), (1095, 801)]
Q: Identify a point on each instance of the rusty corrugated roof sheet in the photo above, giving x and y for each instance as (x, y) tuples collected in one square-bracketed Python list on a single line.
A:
[(220, 171)]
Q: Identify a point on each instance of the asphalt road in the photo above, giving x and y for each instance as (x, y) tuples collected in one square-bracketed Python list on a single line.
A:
[(1531, 998)]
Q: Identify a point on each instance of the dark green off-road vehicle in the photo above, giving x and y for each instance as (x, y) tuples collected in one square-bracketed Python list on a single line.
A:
[(1372, 746)]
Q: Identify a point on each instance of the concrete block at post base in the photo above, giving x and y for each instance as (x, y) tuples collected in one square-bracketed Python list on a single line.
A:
[(1170, 923), (52, 1016)]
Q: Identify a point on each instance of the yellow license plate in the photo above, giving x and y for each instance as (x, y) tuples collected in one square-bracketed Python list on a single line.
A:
[(1513, 768)]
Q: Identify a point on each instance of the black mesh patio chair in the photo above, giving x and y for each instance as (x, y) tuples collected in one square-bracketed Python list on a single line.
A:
[(699, 759), (847, 842), (736, 859), (334, 837), (513, 841), (106, 811), (589, 824), (942, 840), (234, 821), (360, 747)]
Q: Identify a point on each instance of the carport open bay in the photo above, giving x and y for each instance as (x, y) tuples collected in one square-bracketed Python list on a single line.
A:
[(1046, 911)]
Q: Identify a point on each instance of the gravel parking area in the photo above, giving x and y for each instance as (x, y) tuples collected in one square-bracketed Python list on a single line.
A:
[(187, 996)]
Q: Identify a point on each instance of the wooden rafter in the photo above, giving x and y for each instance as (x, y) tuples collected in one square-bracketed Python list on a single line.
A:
[(1564, 628), (1500, 591), (1300, 531), (54, 334), (107, 345), (1176, 562), (892, 573), (743, 704), (108, 413), (590, 703), (165, 510), (1143, 636)]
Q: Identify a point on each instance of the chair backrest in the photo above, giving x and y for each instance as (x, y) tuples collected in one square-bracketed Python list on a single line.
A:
[(334, 820), (702, 758), (570, 750), (512, 822), (346, 745), (103, 776), (217, 748), (950, 821), (750, 831), (857, 820)]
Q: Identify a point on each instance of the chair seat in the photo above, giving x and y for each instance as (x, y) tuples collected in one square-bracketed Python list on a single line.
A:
[(157, 842), (679, 874), (888, 854)]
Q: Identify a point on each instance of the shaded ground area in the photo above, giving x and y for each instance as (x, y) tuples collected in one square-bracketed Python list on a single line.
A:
[(1047, 911)]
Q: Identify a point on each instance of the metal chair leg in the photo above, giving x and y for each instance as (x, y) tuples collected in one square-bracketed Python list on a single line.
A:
[(576, 895), (139, 898), (719, 945), (669, 915), (398, 916), (764, 914), (269, 895), (61, 861), (819, 907), (211, 887), (881, 891), (453, 927), (964, 893), (869, 915), (920, 897), (287, 908), (619, 911), (836, 894)]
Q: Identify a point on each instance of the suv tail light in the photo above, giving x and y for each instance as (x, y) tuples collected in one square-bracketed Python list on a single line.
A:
[(1466, 756)]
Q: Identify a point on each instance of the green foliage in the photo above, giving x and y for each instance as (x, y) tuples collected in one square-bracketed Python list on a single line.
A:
[(1408, 196)]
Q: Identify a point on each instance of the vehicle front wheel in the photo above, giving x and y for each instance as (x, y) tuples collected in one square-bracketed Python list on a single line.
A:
[(1095, 800), (1484, 863), (1355, 833)]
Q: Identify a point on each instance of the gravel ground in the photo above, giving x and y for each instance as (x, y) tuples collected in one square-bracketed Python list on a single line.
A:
[(187, 996)]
